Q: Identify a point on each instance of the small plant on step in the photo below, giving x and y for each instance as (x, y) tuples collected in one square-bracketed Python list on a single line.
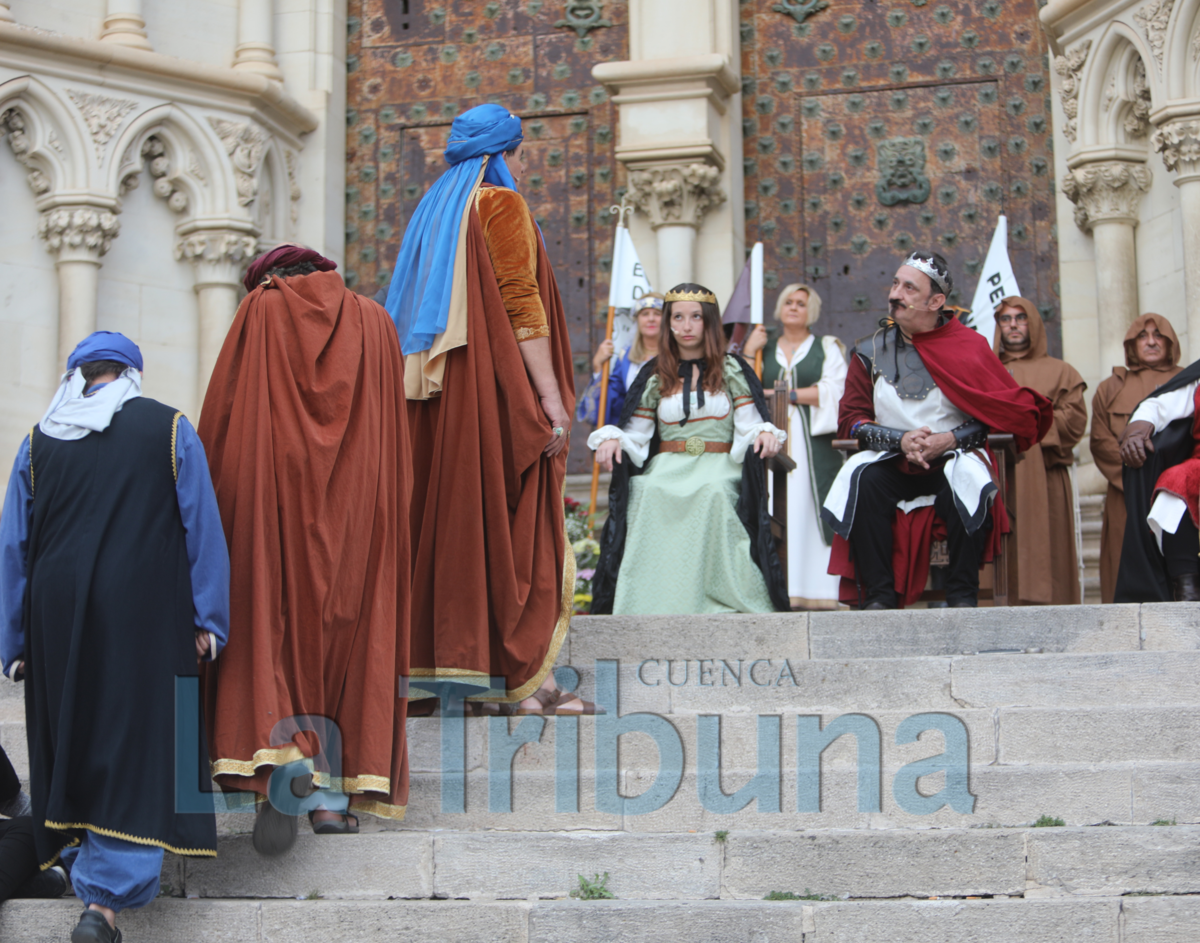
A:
[(1049, 821), (595, 889), (1163, 822), (314, 895), (723, 836), (792, 895)]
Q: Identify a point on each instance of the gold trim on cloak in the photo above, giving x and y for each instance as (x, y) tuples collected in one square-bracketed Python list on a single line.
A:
[(111, 833), (423, 371)]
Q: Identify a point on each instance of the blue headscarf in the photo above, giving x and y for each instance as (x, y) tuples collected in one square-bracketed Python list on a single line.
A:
[(106, 345), (419, 298)]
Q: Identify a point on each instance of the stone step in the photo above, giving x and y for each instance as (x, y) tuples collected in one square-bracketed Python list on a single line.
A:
[(1103, 919), (735, 865)]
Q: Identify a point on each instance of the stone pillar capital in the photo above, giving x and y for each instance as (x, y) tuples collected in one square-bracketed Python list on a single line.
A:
[(219, 254), (78, 233), (1178, 141), (676, 194), (1107, 191)]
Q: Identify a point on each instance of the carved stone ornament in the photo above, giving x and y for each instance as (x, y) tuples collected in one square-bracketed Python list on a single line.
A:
[(902, 179), (1179, 144), (102, 115), (14, 123), (800, 10), (1137, 122), (1068, 67), (1106, 191), (159, 165), (217, 247), (294, 191), (583, 16), (78, 227), (676, 195), (1154, 17), (245, 143)]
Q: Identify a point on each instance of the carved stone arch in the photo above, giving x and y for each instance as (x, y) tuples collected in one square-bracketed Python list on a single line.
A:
[(1181, 52), (277, 205), (184, 162), (45, 137), (1124, 118), (1102, 113)]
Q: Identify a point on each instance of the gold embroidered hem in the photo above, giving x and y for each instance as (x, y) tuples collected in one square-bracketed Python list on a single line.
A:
[(380, 809), (186, 852), (272, 756), (53, 861), (174, 436), (529, 333)]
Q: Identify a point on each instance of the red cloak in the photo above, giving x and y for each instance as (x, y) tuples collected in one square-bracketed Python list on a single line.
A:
[(304, 424)]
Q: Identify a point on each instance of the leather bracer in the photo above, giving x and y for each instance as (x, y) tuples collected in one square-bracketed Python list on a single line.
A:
[(878, 438), (972, 434)]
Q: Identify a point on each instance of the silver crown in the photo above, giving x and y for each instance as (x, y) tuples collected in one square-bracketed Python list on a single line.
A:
[(924, 265)]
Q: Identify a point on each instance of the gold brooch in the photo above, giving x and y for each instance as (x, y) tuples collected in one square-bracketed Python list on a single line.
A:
[(694, 445)]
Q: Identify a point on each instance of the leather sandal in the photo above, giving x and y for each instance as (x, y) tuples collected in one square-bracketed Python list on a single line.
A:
[(565, 697), (342, 827), (547, 700)]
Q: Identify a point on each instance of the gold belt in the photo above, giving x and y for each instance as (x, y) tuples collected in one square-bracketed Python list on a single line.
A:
[(695, 446)]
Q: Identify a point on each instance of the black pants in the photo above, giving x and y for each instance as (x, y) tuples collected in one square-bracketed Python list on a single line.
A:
[(880, 486), (1181, 550)]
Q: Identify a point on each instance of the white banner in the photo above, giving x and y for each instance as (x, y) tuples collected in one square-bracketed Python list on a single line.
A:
[(629, 283), (756, 284), (996, 282)]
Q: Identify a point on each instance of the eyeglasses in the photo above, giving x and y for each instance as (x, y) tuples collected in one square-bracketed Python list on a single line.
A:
[(1010, 318)]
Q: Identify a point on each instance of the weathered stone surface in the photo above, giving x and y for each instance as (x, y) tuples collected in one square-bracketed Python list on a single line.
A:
[(12, 700), (388, 922), (647, 922), (1114, 861), (1161, 919), (1099, 735), (506, 866), (1170, 626), (967, 921), (870, 863), (917, 632), (1149, 679), (1166, 791), (165, 920), (375, 866), (633, 638)]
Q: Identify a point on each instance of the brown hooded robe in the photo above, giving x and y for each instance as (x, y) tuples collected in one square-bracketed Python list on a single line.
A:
[(305, 428), (1046, 569), (1115, 400)]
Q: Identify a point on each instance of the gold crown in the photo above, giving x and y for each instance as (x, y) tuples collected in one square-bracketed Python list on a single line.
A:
[(704, 297)]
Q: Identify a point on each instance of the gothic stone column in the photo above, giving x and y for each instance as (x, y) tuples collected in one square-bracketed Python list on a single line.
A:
[(78, 236), (1179, 143), (218, 256), (125, 25), (676, 197), (1107, 195), (255, 50), (5, 12)]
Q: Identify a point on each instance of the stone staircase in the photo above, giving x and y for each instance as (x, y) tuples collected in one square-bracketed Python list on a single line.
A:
[(699, 795)]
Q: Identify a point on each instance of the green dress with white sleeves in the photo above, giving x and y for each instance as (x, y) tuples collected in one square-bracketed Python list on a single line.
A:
[(686, 550)]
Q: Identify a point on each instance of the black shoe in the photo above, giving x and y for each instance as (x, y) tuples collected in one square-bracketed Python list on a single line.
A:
[(93, 928), (962, 604), (875, 606), (44, 885), (274, 832), (1186, 588)]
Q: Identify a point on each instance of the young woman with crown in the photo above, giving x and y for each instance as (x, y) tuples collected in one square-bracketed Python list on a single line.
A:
[(688, 529)]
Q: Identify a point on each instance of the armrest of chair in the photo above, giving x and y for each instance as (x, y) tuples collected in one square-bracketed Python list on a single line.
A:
[(846, 445), (781, 462)]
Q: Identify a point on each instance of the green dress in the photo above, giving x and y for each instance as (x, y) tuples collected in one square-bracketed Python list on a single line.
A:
[(686, 550)]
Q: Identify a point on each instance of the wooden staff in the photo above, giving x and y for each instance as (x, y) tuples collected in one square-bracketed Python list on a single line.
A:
[(600, 417)]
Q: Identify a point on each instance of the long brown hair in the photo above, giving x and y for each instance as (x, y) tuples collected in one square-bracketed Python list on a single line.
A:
[(713, 380)]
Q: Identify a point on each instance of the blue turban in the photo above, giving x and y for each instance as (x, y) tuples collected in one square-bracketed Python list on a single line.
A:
[(419, 297), (106, 345)]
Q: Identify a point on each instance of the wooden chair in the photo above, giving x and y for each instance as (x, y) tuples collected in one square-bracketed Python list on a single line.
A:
[(778, 468), (1007, 456)]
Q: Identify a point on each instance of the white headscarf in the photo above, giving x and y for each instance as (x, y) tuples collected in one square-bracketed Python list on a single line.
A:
[(72, 415)]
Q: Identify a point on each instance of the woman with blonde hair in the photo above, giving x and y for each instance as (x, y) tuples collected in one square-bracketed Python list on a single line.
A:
[(815, 369), (626, 365)]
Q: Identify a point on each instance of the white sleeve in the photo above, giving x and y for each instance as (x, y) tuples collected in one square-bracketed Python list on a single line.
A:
[(1164, 409), (823, 418), (635, 438), (747, 426)]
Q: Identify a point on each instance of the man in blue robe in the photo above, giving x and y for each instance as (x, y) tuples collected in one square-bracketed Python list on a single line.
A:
[(114, 580)]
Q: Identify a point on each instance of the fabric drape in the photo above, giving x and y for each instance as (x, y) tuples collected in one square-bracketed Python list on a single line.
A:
[(493, 578), (305, 429)]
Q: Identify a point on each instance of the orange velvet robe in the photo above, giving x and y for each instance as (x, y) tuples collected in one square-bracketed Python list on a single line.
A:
[(305, 429), (493, 576)]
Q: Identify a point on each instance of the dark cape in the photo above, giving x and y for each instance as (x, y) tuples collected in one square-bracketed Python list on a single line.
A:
[(109, 626), (752, 506), (1143, 574)]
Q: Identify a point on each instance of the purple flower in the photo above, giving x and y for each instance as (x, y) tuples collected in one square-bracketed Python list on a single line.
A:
[(585, 574)]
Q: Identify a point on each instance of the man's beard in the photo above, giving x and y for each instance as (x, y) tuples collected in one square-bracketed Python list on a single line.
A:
[(1022, 344)]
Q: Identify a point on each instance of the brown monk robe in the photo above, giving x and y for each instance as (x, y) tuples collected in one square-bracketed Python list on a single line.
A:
[(493, 575), (305, 429), (1115, 400), (1042, 512)]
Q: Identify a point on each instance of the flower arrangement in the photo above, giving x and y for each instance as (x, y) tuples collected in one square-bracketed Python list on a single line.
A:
[(587, 553)]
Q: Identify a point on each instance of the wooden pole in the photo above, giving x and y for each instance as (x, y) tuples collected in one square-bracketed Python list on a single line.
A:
[(601, 409), (758, 363)]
